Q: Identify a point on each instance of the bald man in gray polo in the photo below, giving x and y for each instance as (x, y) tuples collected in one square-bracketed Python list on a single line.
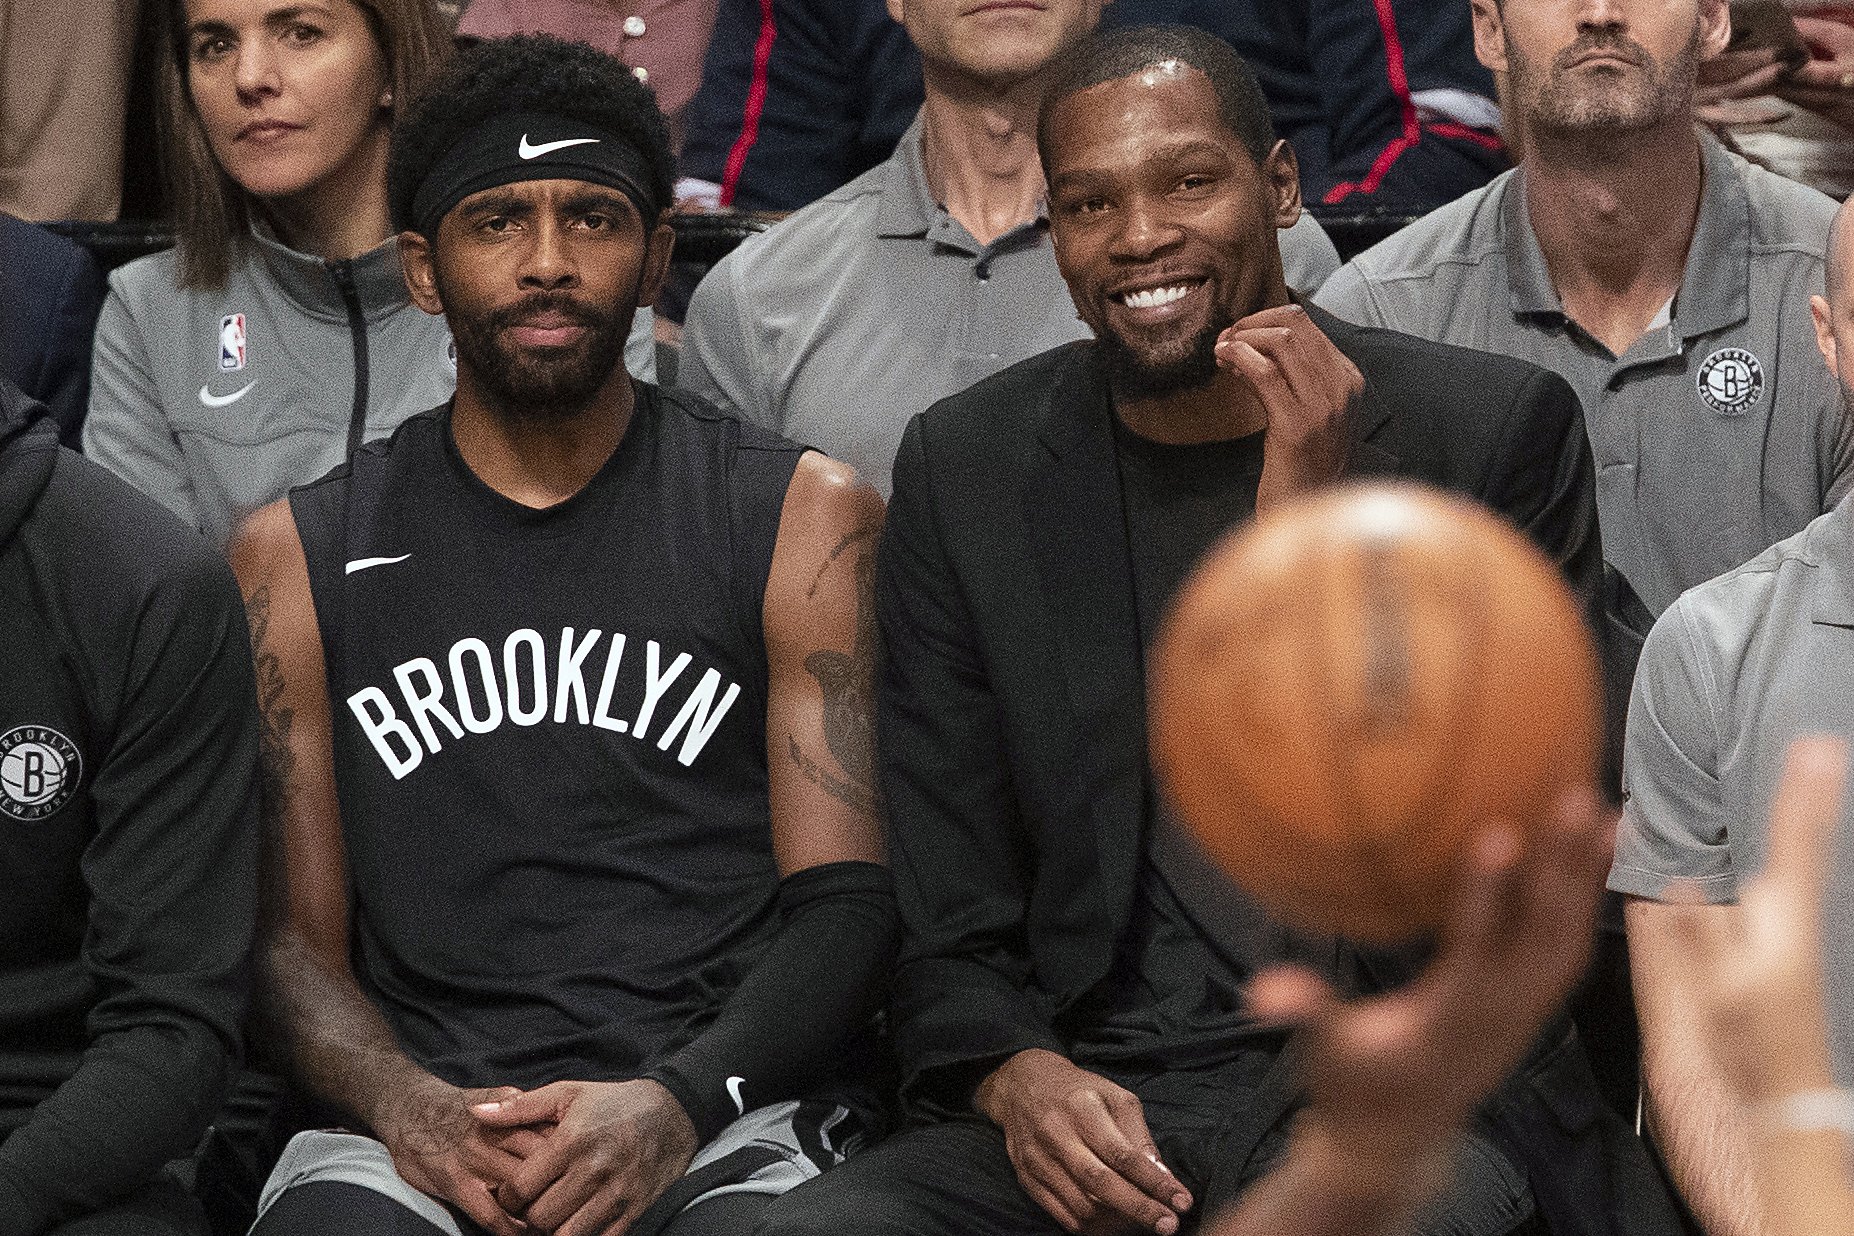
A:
[(1733, 672), (1716, 433)]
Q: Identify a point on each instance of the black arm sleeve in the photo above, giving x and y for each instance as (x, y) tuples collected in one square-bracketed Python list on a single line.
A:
[(824, 974), (171, 872)]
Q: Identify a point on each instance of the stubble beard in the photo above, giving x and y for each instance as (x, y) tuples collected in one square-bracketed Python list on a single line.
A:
[(1551, 104)]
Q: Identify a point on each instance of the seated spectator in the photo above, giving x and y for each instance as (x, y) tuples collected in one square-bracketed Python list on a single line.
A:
[(1386, 108), (663, 40), (640, 881), (279, 335), (128, 833), (50, 293), (1068, 1017), (925, 275), (64, 86), (798, 98), (1382, 100), (1664, 278), (1750, 982), (1733, 671)]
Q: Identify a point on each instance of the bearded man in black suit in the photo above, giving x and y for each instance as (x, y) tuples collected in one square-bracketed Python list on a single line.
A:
[(1068, 1004)]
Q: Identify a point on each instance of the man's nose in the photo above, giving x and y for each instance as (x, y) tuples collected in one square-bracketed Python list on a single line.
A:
[(549, 262)]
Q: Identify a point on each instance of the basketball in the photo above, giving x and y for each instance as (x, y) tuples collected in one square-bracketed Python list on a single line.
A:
[(1346, 689)]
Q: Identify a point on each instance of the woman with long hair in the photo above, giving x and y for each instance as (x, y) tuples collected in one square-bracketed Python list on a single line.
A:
[(277, 335)]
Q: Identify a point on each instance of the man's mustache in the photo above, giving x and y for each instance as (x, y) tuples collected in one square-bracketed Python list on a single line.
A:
[(545, 304), (1610, 41)]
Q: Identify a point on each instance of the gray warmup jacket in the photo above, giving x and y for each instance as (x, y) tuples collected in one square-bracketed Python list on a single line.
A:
[(215, 402)]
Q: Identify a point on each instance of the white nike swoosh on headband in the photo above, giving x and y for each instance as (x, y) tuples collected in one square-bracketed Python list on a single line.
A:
[(361, 564), (733, 1092), (527, 151), (220, 401)]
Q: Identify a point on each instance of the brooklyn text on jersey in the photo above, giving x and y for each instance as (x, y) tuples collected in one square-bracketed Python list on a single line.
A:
[(477, 690)]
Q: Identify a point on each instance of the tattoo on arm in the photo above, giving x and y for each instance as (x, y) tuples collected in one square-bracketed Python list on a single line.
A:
[(857, 797), (848, 684), (276, 762)]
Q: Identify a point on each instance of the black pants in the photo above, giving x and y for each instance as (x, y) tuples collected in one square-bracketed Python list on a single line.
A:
[(953, 1177), (161, 1209)]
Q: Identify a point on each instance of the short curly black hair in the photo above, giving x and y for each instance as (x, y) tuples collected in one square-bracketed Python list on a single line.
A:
[(525, 73), (1121, 53)]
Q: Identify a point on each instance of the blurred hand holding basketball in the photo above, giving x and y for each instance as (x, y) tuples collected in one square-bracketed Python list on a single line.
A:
[(1393, 1079), (1351, 686), (1306, 386)]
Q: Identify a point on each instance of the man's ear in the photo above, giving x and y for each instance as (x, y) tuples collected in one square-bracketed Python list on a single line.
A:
[(1825, 334), (1281, 169), (1715, 18), (415, 259), (657, 251), (1489, 35)]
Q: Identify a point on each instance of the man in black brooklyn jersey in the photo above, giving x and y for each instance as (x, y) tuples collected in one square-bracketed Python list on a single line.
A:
[(577, 905)]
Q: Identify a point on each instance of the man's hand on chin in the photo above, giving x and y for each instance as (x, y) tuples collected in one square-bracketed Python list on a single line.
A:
[(441, 1149), (1080, 1148), (1306, 387), (609, 1149)]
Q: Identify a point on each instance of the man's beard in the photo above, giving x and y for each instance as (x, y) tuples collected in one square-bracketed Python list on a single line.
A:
[(1135, 377), (1549, 103), (534, 384)]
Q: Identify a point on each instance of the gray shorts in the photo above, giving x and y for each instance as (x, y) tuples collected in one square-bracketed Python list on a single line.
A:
[(767, 1151)]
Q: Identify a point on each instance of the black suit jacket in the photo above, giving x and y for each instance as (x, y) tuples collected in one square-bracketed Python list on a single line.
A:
[(50, 295), (1012, 713)]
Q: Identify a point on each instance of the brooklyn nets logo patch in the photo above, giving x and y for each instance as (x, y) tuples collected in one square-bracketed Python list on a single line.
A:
[(1730, 381), (39, 772)]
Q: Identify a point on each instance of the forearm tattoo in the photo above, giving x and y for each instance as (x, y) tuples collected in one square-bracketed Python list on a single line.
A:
[(276, 761), (847, 681)]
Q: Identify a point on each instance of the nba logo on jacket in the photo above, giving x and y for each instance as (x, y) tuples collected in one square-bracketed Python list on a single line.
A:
[(232, 342)]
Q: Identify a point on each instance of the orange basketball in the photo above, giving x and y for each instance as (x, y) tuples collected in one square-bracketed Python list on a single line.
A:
[(1348, 687)]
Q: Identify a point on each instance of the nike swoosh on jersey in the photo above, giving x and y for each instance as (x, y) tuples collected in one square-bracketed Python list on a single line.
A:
[(529, 151), (222, 401), (733, 1092), (363, 564)]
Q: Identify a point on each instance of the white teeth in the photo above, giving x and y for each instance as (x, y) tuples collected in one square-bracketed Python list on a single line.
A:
[(1152, 298)]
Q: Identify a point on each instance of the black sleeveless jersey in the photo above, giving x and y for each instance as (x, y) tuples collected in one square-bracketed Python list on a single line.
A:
[(550, 740)]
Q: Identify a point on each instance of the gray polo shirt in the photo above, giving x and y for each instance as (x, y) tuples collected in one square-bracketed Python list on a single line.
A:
[(840, 323), (1732, 672), (1717, 433)]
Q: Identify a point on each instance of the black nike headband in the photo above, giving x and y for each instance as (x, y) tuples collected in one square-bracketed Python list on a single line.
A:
[(532, 146)]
